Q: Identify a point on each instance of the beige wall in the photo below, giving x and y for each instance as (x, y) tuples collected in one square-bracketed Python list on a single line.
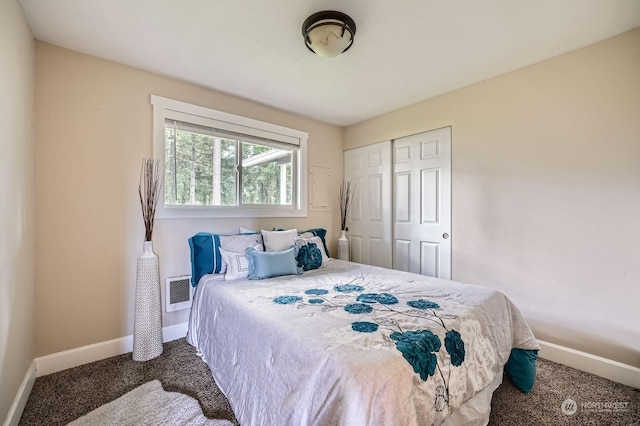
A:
[(546, 190), (94, 125), (17, 50)]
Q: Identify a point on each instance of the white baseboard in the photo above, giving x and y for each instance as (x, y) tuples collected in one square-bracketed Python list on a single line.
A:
[(17, 407), (59, 361), (603, 367)]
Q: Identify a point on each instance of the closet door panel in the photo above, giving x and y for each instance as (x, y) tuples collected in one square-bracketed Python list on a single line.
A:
[(402, 255), (355, 245), (376, 250), (430, 259)]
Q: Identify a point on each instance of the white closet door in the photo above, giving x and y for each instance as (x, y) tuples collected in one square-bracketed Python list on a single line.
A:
[(369, 168), (422, 203)]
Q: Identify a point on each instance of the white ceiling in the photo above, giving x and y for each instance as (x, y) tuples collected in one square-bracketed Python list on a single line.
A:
[(404, 51)]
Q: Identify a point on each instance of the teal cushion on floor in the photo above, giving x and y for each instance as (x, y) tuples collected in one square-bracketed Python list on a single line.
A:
[(521, 368)]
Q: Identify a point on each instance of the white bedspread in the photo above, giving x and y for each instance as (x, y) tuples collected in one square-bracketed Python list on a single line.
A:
[(352, 344)]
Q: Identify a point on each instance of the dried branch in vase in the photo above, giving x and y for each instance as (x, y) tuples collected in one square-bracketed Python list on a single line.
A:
[(151, 179), (346, 198)]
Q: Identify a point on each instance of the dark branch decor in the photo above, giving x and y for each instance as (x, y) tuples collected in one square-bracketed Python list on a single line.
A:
[(151, 179), (346, 198)]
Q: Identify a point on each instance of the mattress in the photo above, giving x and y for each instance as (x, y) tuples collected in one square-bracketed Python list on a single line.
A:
[(352, 344)]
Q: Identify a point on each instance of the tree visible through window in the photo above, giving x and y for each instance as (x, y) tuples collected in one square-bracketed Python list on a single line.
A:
[(266, 175), (209, 167)]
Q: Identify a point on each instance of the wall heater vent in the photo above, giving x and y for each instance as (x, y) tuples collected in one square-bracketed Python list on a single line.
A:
[(178, 293)]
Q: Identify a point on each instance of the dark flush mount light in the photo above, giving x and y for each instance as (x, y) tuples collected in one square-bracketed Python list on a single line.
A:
[(328, 33)]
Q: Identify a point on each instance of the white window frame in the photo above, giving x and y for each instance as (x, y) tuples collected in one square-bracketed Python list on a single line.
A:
[(164, 108)]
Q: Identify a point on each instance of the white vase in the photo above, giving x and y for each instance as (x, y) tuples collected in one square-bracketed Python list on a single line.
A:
[(147, 321), (343, 246)]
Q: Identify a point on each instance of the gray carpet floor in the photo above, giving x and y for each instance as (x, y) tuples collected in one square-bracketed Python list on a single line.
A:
[(61, 397)]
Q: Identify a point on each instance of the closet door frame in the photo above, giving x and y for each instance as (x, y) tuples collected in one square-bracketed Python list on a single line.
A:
[(375, 227)]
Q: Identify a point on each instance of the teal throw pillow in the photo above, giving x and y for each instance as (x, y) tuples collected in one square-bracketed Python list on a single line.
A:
[(309, 257), (205, 256)]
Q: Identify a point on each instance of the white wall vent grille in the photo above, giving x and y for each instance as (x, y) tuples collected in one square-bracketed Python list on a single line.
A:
[(178, 293)]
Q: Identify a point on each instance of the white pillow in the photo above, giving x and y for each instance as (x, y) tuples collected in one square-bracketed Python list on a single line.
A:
[(300, 241), (238, 244), (237, 263), (246, 231), (279, 240)]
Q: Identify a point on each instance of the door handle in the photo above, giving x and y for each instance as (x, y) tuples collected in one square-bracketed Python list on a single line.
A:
[(445, 235)]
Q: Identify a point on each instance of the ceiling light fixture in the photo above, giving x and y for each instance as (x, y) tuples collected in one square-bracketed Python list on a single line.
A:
[(328, 33)]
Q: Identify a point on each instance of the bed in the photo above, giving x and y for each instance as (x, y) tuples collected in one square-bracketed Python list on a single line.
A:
[(352, 344)]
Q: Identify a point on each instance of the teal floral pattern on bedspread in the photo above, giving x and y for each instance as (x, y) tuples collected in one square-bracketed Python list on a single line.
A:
[(383, 311)]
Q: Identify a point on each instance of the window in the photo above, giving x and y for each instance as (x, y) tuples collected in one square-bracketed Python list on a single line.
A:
[(222, 165)]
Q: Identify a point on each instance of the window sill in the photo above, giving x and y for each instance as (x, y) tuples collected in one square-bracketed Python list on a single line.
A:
[(203, 212)]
